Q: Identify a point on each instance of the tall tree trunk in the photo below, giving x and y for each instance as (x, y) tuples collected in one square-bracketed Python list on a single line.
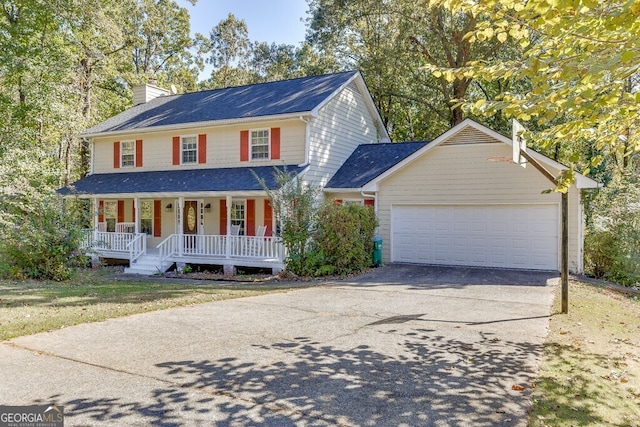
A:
[(86, 86)]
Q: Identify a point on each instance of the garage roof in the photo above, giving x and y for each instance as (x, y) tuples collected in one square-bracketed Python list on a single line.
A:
[(369, 161)]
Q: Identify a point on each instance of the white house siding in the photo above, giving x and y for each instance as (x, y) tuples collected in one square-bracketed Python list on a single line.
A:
[(223, 147), (462, 174), (342, 124)]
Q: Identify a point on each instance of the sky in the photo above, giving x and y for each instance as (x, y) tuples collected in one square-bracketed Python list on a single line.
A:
[(272, 21)]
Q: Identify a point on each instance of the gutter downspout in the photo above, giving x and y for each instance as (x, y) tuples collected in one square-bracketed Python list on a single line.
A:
[(374, 196), (307, 142), (93, 156)]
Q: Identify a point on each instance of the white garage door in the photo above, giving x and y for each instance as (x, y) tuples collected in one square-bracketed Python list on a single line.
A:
[(508, 236)]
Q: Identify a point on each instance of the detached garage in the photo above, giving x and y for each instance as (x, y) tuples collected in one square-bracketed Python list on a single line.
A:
[(447, 202)]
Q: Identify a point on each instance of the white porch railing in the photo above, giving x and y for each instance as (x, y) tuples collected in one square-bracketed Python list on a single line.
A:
[(132, 246), (264, 248), (168, 248), (114, 242), (137, 247)]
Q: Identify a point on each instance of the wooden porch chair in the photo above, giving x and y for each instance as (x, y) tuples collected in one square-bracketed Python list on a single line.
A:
[(258, 242), (125, 227), (235, 230), (102, 226)]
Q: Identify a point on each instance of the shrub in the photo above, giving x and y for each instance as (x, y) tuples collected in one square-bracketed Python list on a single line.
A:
[(612, 240), (343, 241), (42, 242)]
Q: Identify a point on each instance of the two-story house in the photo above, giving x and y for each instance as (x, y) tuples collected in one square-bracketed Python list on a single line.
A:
[(174, 178)]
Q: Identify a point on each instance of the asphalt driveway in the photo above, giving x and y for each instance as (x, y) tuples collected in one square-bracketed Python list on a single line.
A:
[(402, 345)]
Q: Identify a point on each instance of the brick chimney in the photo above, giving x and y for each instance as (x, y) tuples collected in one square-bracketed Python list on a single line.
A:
[(145, 93)]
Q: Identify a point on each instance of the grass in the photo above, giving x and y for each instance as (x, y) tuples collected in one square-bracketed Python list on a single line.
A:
[(29, 307), (590, 373)]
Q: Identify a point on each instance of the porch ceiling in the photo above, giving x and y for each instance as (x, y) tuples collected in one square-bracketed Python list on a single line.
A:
[(178, 182)]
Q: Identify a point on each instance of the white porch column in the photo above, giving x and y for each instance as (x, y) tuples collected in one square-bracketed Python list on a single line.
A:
[(228, 240), (180, 229), (136, 214), (96, 209)]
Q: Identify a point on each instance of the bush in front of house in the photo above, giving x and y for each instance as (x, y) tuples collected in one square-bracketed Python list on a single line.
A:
[(321, 238), (41, 240), (343, 240)]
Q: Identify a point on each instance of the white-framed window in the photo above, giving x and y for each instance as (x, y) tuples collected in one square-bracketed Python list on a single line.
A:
[(259, 144), (189, 149), (111, 214), (128, 154), (146, 217), (238, 214)]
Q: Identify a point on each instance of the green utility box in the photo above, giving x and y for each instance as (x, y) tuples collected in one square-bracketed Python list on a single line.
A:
[(377, 251)]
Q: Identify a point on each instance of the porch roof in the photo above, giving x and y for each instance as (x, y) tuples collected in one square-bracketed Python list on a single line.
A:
[(179, 181)]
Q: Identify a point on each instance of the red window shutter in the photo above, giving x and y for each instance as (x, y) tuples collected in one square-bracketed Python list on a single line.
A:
[(101, 211), (116, 154), (202, 148), (120, 210), (275, 143), (268, 217), (176, 150), (251, 218), (223, 217), (369, 202), (244, 146), (138, 153), (133, 209), (157, 218)]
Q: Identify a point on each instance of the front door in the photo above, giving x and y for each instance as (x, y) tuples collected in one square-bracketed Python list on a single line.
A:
[(190, 223)]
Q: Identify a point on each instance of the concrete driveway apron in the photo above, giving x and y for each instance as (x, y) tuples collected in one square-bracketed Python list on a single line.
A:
[(402, 345)]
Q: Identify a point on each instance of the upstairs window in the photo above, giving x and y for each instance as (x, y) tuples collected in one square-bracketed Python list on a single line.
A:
[(260, 144), (128, 154), (189, 149)]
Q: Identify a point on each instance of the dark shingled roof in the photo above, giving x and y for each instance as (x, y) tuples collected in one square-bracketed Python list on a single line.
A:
[(178, 181), (264, 99), (369, 161)]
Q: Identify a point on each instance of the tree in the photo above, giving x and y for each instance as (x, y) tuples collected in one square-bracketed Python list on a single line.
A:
[(392, 42), (159, 31), (238, 61), (65, 66), (294, 207), (581, 61)]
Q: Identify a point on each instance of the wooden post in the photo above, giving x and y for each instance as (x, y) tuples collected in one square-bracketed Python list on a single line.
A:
[(564, 268), (564, 239)]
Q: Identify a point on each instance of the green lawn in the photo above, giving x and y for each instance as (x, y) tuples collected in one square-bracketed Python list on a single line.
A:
[(590, 374), (29, 307)]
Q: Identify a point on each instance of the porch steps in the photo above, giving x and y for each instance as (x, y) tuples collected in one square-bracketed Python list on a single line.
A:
[(148, 264)]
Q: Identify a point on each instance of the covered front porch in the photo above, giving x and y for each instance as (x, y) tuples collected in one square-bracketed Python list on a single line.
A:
[(153, 234)]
